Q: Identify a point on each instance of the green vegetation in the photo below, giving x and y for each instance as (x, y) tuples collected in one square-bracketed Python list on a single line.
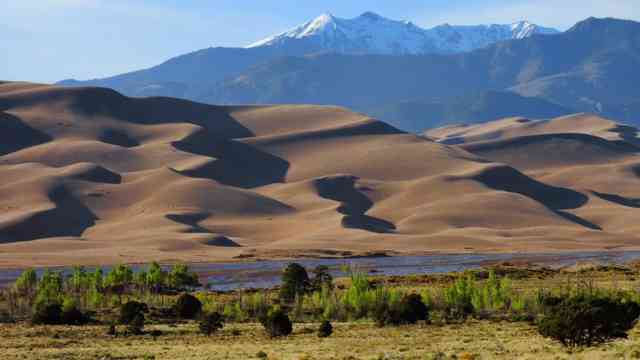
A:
[(211, 323), (276, 323), (188, 306), (577, 309), (588, 319)]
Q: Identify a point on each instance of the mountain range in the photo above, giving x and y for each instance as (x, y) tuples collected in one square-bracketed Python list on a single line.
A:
[(371, 33), (360, 64)]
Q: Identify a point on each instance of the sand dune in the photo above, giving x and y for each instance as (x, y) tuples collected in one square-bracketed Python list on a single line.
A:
[(90, 176)]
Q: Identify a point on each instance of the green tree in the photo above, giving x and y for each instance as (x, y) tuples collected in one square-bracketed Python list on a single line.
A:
[(295, 282)]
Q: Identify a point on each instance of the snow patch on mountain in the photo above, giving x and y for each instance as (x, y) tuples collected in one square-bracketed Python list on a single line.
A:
[(371, 33)]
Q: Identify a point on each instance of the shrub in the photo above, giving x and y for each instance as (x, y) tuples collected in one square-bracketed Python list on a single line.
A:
[(409, 310), (295, 282), (210, 323), (586, 320), (277, 323), (458, 297), (136, 325), (325, 329), (71, 315), (130, 310), (188, 306), (47, 314)]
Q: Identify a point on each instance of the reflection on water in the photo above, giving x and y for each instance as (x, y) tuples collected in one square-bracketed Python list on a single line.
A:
[(264, 274)]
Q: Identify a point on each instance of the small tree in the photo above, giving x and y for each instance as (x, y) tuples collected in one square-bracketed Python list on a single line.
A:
[(130, 310), (188, 306), (276, 323), (586, 320), (295, 282), (211, 323), (27, 283), (180, 277)]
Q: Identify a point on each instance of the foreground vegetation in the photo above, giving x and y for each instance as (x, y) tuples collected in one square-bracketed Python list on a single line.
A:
[(497, 313)]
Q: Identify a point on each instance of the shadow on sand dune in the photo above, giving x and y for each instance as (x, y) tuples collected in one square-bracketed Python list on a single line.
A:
[(354, 204)]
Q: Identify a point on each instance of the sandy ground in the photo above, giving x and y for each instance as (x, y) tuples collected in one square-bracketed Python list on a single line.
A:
[(88, 176)]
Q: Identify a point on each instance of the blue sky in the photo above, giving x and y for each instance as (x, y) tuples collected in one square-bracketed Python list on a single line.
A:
[(50, 40)]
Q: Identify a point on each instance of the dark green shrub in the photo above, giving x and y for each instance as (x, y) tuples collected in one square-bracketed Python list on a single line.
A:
[(295, 282), (73, 316), (325, 329), (210, 323), (129, 311), (188, 306), (136, 325), (276, 323), (412, 309), (409, 310), (48, 314), (586, 320)]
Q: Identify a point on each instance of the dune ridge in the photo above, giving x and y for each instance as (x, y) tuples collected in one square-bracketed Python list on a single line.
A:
[(93, 177)]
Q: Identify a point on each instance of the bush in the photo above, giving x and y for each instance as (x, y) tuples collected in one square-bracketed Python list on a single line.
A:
[(136, 325), (210, 323), (586, 320), (73, 316), (188, 306), (49, 314), (295, 282), (409, 310), (277, 323), (130, 310), (325, 329)]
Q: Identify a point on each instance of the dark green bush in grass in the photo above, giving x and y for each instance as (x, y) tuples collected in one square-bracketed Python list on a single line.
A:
[(188, 306), (211, 323), (276, 323), (49, 314), (586, 320), (130, 310), (409, 310), (325, 329)]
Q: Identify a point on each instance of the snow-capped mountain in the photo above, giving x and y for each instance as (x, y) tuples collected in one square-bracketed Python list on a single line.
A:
[(371, 33)]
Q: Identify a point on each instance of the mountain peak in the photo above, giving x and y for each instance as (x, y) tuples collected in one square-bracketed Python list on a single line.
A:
[(592, 23), (370, 15), (371, 33)]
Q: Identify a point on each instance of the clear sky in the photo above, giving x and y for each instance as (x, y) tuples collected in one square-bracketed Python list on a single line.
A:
[(51, 40)]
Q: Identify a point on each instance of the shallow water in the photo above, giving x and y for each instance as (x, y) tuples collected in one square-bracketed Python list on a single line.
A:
[(265, 274)]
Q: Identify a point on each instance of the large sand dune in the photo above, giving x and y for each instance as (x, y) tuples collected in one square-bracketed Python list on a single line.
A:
[(90, 176)]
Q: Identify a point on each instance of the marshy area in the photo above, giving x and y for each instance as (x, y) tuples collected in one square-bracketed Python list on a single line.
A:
[(500, 310)]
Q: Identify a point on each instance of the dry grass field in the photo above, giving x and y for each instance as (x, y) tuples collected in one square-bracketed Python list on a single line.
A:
[(362, 339), (471, 340)]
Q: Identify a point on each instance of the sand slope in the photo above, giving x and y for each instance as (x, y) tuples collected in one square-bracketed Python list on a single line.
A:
[(90, 176)]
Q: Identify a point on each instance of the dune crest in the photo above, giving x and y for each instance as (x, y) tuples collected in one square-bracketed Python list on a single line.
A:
[(93, 177)]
